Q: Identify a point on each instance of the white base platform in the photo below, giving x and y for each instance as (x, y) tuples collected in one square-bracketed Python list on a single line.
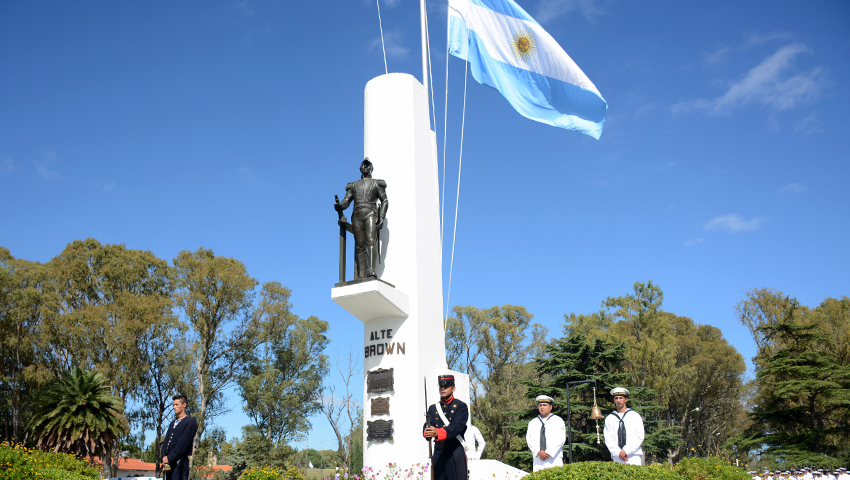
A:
[(370, 300), (493, 470)]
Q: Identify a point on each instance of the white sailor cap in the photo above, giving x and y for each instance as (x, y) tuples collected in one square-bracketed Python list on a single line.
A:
[(545, 399), (619, 391)]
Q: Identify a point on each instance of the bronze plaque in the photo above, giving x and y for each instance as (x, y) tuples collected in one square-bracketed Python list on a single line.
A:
[(379, 381), (379, 430), (381, 406)]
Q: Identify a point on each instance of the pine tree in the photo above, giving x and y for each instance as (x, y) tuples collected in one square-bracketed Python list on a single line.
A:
[(573, 359), (801, 412)]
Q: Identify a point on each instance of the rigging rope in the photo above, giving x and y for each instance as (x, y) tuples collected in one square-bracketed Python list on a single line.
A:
[(381, 26), (445, 129), (457, 200), (430, 76)]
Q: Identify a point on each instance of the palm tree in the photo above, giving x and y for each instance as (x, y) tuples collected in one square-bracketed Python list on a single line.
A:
[(78, 414)]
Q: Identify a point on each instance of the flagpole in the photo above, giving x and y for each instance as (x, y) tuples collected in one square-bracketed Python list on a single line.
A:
[(423, 28)]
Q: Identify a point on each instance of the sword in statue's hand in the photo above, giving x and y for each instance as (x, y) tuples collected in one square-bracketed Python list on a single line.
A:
[(338, 207)]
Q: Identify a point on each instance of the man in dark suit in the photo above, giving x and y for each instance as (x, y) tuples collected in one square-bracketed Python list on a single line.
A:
[(449, 460), (177, 446)]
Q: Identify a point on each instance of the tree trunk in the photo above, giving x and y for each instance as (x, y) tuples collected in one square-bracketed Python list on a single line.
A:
[(817, 445), (157, 449), (16, 402), (6, 425), (107, 472), (201, 415)]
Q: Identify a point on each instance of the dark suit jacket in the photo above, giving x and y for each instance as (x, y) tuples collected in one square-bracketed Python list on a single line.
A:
[(457, 413), (178, 440)]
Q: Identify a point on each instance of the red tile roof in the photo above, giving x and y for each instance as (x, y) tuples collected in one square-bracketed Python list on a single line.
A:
[(135, 464), (138, 465)]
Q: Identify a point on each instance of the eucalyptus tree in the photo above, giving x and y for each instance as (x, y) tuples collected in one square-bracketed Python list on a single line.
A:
[(168, 362), (108, 297), (217, 295), (495, 347), (281, 378), (23, 302)]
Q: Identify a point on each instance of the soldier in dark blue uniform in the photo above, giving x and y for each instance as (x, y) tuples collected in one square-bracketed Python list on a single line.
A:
[(177, 446), (449, 460)]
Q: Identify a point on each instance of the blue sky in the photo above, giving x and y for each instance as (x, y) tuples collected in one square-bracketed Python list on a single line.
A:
[(230, 125)]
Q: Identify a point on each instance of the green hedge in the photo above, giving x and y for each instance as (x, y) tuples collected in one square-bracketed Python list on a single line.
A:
[(59, 474), (689, 469), (20, 463)]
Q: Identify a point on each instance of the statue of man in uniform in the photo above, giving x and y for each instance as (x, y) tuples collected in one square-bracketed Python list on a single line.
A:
[(370, 209)]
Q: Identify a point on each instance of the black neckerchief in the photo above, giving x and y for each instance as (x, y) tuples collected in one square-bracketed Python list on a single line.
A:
[(621, 431)]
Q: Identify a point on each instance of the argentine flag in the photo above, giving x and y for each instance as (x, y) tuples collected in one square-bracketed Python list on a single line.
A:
[(509, 51)]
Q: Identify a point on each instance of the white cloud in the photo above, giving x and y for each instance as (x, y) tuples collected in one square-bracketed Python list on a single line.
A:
[(246, 8), (808, 126), (548, 10), (694, 241), (732, 223), (108, 187), (645, 109), (762, 38), (717, 57), (767, 84), (392, 43), (7, 164), (45, 164), (794, 188)]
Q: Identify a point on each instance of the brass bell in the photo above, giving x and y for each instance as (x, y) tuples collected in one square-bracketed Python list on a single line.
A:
[(596, 412)]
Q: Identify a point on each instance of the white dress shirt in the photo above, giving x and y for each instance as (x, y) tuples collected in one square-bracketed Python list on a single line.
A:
[(634, 436), (473, 436), (556, 435)]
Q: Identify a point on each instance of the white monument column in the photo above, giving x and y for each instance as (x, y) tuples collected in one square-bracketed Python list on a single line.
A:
[(403, 327), (402, 312)]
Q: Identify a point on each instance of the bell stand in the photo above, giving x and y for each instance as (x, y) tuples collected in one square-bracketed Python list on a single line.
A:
[(569, 413)]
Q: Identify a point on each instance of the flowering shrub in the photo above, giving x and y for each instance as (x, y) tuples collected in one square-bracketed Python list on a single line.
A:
[(344, 476), (20, 463), (272, 473), (394, 472)]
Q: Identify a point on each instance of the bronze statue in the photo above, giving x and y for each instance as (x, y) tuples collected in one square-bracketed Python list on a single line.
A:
[(370, 209)]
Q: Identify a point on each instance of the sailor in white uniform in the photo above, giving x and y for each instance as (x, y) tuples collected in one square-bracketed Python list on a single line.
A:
[(624, 430), (473, 436), (546, 436)]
